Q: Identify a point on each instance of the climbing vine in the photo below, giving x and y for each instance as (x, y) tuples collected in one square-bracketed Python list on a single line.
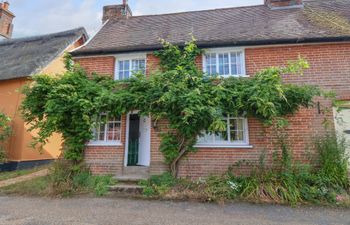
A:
[(5, 132), (179, 92)]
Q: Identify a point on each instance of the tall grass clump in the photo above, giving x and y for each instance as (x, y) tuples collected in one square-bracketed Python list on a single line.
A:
[(333, 160)]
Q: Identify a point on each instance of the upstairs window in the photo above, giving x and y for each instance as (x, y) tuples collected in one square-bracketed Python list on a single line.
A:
[(107, 130), (236, 134), (126, 67), (224, 63)]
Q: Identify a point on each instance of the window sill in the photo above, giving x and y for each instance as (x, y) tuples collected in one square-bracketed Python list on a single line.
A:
[(104, 144), (235, 76), (222, 146)]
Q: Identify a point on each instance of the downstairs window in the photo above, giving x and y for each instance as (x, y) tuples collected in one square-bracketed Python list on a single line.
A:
[(107, 130), (236, 134)]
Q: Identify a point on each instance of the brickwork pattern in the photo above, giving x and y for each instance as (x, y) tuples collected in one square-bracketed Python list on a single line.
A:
[(329, 68)]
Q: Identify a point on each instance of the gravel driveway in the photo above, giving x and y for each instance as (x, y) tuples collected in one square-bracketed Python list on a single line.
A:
[(115, 211)]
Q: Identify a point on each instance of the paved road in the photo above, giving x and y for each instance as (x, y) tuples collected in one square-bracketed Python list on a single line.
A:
[(88, 211)]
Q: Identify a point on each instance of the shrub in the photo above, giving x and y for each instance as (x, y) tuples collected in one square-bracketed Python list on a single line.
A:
[(158, 185), (5, 132), (221, 188), (67, 178), (333, 160), (284, 182)]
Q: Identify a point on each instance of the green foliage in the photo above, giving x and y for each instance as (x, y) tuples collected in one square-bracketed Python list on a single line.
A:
[(286, 182), (158, 185), (190, 100), (35, 187), (66, 179), (221, 188), (5, 132), (334, 160), (18, 173)]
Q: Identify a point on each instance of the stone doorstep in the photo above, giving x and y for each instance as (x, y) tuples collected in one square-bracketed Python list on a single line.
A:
[(131, 178), (126, 188), (128, 181), (136, 171)]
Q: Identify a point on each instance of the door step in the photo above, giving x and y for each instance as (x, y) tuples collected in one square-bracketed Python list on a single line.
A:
[(136, 171), (126, 189), (131, 178)]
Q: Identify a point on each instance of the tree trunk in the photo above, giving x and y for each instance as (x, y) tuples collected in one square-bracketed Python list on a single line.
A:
[(174, 167)]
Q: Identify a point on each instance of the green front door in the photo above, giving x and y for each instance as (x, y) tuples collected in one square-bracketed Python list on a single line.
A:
[(133, 148), (133, 152)]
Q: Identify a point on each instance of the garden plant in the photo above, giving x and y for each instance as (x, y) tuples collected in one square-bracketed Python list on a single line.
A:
[(190, 101)]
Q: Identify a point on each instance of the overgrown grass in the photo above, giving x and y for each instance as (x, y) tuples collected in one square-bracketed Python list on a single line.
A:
[(67, 179), (64, 180), (283, 183), (35, 187), (18, 173)]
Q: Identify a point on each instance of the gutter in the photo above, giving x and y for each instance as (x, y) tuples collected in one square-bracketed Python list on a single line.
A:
[(210, 44)]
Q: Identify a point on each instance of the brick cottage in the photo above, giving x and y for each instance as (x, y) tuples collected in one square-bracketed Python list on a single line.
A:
[(238, 42)]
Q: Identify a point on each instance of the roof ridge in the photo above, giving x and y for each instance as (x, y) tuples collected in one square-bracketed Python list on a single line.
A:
[(195, 11), (37, 37)]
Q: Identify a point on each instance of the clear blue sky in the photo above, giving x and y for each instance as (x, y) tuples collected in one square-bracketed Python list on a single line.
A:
[(46, 16)]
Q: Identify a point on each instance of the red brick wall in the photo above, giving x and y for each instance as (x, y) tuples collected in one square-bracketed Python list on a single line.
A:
[(329, 64), (100, 65), (6, 26), (107, 159), (329, 68)]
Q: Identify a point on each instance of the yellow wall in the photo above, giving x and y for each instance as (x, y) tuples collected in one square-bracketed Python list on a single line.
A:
[(19, 148), (19, 144)]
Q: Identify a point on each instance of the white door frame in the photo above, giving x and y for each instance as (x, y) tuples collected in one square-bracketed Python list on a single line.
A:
[(127, 138)]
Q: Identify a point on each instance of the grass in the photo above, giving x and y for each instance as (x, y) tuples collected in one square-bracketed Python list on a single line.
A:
[(44, 186), (18, 173), (35, 187)]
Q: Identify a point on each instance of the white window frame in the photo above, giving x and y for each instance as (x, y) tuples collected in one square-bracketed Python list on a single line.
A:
[(218, 51), (229, 144), (130, 57), (105, 142)]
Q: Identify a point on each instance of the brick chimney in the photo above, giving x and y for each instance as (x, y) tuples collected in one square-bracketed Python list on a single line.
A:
[(284, 4), (112, 12), (6, 18)]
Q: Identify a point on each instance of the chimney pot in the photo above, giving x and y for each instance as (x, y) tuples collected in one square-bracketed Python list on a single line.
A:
[(6, 5), (284, 4)]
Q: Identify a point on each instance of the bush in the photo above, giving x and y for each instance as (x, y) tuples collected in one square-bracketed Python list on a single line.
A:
[(158, 185), (333, 160), (285, 182), (5, 132), (221, 188), (67, 178)]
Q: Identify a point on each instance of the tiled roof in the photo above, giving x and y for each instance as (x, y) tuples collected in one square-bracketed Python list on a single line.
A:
[(319, 20), (24, 57)]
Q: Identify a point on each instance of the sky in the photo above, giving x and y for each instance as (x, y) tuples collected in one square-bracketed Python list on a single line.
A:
[(34, 17)]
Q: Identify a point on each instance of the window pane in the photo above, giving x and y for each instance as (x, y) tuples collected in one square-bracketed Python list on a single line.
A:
[(107, 130), (126, 74), (239, 63), (113, 131), (126, 65), (224, 64), (211, 64), (237, 129), (121, 75), (138, 65), (234, 70), (235, 134)]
